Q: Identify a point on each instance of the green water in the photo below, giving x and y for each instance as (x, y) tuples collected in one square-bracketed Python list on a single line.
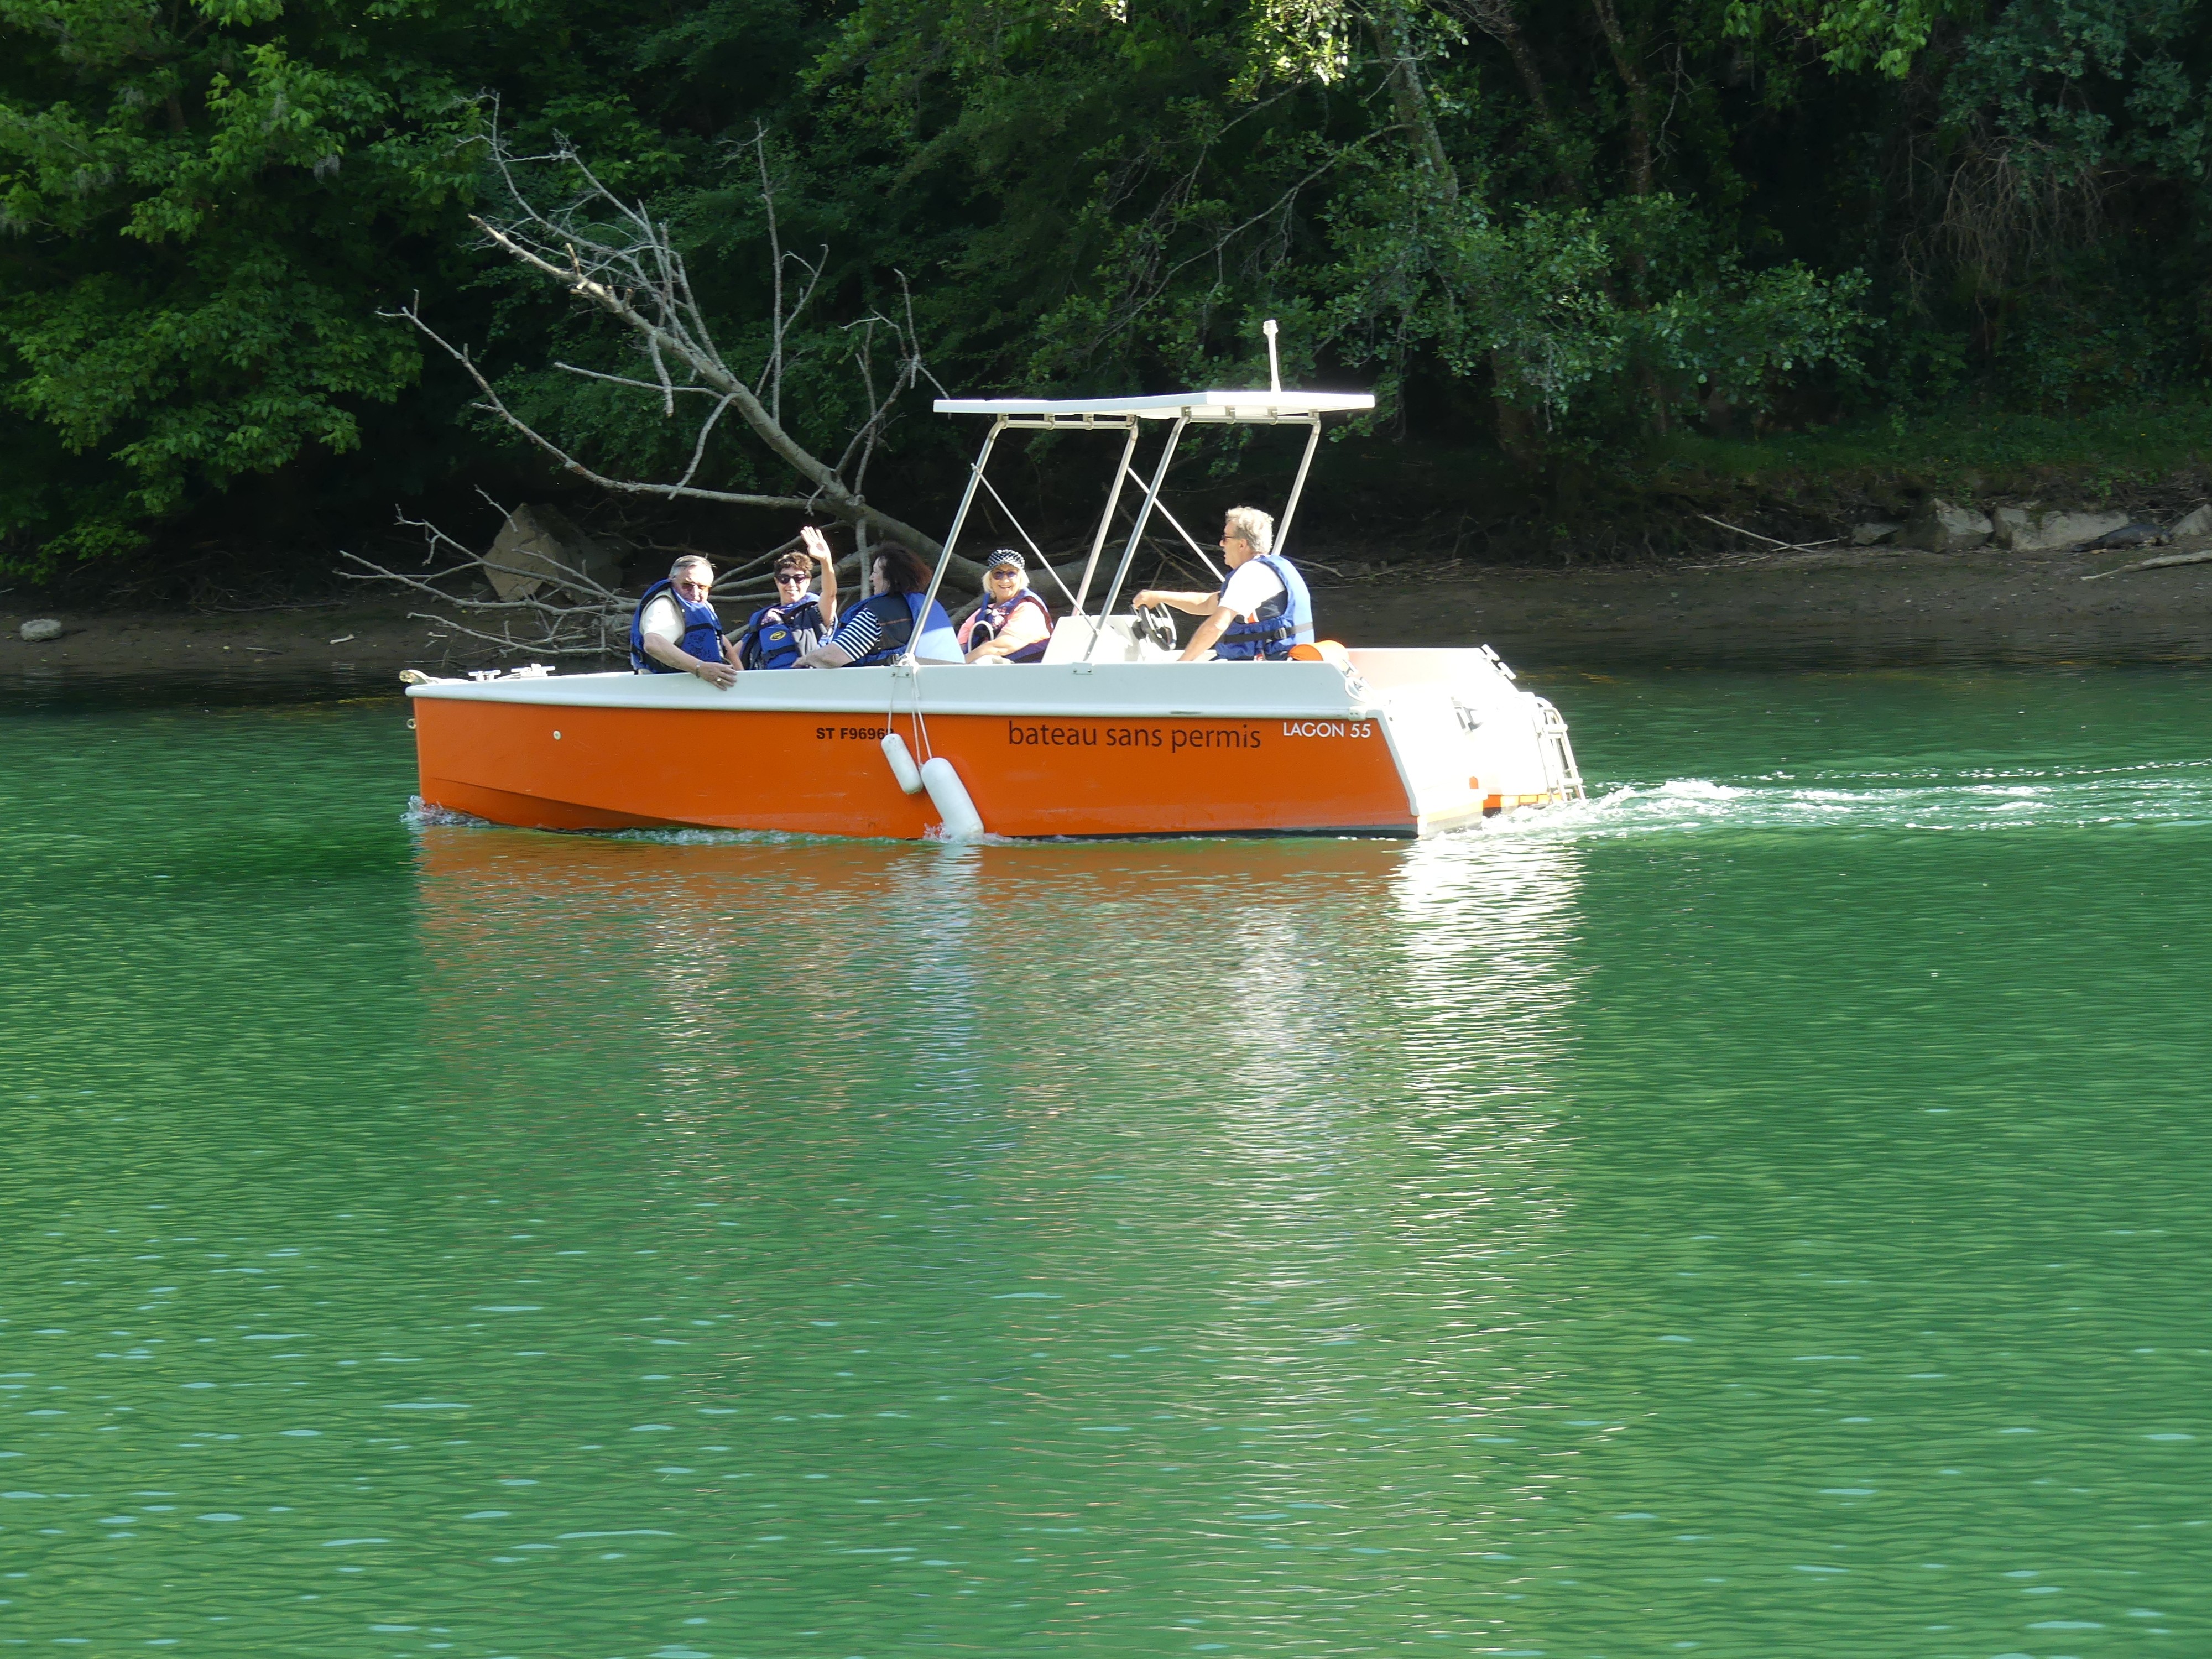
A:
[(1762, 1214)]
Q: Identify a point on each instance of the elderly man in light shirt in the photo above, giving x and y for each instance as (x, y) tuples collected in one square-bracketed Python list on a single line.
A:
[(1263, 608), (674, 614)]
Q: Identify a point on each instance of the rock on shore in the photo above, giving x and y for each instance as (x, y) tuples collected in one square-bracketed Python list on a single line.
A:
[(2034, 529), (1946, 528)]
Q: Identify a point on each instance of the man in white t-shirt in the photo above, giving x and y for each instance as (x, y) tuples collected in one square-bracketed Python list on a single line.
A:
[(1247, 535)]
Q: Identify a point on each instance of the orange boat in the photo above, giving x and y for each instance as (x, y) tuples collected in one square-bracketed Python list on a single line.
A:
[(1110, 735)]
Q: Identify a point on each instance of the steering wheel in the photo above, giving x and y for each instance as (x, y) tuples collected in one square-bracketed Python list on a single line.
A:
[(1156, 626)]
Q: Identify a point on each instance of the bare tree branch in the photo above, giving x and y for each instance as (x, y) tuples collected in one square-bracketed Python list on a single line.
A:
[(493, 403), (780, 321), (570, 630), (634, 273), (627, 379), (614, 256), (552, 646)]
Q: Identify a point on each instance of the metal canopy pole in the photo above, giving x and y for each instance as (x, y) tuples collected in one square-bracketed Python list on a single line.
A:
[(1298, 489), (1019, 530), (1106, 518), (951, 536), (1189, 540), (1136, 531)]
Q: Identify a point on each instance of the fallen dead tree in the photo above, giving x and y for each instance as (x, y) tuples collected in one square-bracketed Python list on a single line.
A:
[(615, 257), (2159, 563)]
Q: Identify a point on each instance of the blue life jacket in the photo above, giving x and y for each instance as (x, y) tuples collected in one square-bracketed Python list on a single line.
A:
[(702, 630), (1286, 620), (991, 621), (937, 643), (779, 635), (895, 615)]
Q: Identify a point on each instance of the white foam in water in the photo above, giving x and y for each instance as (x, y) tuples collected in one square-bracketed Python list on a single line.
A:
[(2166, 793), (707, 837), (421, 815)]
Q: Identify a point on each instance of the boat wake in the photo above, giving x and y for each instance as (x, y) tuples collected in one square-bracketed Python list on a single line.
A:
[(1997, 798)]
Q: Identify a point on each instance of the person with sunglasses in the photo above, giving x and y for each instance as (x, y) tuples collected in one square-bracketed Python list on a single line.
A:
[(1259, 613), (1014, 624), (780, 634)]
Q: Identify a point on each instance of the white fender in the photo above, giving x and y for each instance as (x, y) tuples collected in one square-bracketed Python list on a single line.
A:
[(902, 768), (950, 796)]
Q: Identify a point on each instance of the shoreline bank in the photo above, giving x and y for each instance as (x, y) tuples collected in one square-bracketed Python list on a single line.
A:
[(1863, 609)]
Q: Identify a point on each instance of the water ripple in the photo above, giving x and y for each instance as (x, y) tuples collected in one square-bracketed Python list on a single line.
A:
[(1596, 1234)]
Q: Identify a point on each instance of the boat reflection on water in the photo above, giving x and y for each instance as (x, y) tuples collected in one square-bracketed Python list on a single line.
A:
[(1250, 1135), (1259, 966), (1392, 1209), (1382, 1013), (1278, 988)]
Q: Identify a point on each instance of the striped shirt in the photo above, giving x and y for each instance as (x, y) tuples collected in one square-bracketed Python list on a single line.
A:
[(858, 633)]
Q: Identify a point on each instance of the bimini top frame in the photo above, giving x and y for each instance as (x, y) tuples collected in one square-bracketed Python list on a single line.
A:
[(1180, 410), (1206, 406)]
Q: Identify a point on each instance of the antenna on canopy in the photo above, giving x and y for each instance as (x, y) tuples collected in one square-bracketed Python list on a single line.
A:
[(1274, 364)]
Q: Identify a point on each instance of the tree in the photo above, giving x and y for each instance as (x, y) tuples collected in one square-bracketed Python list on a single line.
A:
[(1249, 172), (200, 201), (1558, 229)]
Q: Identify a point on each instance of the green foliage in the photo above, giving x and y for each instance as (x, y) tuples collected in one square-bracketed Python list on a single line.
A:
[(200, 205), (1564, 231), (1965, 450), (1592, 318), (2076, 84), (1885, 35), (205, 205), (1153, 188)]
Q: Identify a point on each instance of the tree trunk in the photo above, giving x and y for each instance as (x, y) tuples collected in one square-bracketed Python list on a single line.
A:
[(1639, 99), (1500, 22), (1409, 95), (1639, 170), (1517, 435), (1502, 25)]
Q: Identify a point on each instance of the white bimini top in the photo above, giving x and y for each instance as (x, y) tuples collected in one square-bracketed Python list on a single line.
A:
[(1221, 406)]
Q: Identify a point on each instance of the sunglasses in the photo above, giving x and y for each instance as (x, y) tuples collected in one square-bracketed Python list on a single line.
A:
[(791, 576), (1008, 571)]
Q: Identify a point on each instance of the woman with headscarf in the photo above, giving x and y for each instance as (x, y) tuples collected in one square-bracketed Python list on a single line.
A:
[(1014, 624)]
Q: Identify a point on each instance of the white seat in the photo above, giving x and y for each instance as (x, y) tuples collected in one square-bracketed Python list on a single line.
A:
[(1071, 639)]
